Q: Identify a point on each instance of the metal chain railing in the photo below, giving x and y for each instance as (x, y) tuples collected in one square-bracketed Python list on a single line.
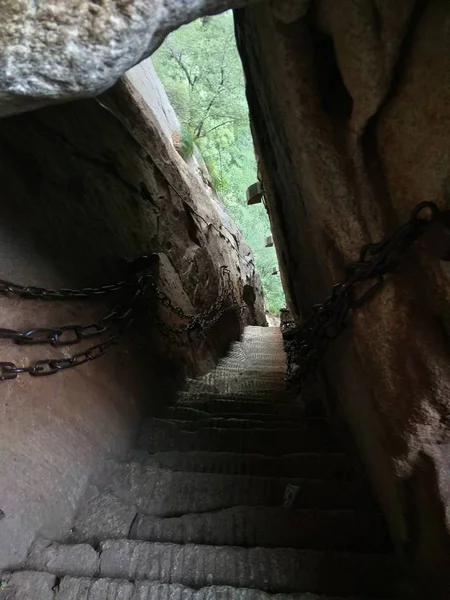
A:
[(307, 343), (142, 291)]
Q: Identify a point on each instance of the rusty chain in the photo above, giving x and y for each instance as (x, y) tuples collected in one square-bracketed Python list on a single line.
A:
[(307, 343), (142, 290)]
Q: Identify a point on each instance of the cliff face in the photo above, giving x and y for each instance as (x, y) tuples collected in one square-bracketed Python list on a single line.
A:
[(350, 103), (85, 186)]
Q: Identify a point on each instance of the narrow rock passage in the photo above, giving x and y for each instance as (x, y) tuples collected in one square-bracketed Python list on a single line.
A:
[(233, 495)]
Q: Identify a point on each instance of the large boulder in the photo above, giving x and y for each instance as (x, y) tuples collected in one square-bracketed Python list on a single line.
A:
[(351, 112), (54, 51)]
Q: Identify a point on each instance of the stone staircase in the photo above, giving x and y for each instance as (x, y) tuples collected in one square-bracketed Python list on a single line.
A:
[(233, 495)]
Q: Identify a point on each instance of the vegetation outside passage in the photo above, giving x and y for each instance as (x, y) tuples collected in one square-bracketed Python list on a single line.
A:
[(200, 68)]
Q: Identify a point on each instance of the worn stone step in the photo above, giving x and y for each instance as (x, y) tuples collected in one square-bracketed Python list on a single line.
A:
[(233, 423), (269, 528), (185, 413), (257, 352), (264, 388), (274, 442), (253, 359), (113, 589), (27, 585), (264, 374), (266, 346), (236, 375), (215, 402), (201, 390), (105, 517), (260, 377), (165, 493), (32, 585), (256, 349), (270, 570), (260, 331), (333, 466)]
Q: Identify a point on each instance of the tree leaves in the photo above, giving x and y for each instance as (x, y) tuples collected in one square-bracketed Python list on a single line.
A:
[(201, 70)]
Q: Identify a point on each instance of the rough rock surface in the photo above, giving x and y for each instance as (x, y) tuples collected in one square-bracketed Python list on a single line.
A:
[(84, 186), (351, 111), (53, 51)]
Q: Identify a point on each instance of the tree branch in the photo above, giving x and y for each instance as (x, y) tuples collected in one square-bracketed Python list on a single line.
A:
[(178, 58), (214, 128)]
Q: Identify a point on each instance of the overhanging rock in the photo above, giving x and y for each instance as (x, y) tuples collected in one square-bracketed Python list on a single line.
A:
[(56, 51)]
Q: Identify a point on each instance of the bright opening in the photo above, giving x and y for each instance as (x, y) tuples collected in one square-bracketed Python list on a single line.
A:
[(200, 68)]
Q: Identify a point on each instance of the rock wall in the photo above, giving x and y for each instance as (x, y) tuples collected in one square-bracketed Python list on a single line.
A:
[(84, 186), (350, 103)]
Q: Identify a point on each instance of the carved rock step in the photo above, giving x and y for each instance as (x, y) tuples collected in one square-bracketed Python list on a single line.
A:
[(254, 359), (275, 369), (270, 528), (184, 413), (231, 423), (259, 331), (32, 585), (241, 386), (270, 570), (273, 380), (106, 517), (259, 348), (257, 353), (268, 342), (233, 370), (165, 493), (218, 403), (332, 466), (274, 442)]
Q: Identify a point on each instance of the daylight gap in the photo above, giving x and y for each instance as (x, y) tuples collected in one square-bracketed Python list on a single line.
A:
[(200, 68)]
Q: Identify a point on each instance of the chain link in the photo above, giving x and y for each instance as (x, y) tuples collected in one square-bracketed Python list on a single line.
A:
[(143, 290), (306, 344)]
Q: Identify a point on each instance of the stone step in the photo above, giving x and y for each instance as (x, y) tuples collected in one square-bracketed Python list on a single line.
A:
[(270, 570), (270, 528), (233, 392), (165, 493), (275, 442), (105, 517), (260, 331), (239, 385), (256, 349), (33, 585), (232, 423), (231, 371), (201, 390), (213, 400), (247, 360), (333, 466), (192, 414)]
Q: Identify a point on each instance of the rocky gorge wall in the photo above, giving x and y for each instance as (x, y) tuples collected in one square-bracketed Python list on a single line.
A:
[(85, 186), (350, 105)]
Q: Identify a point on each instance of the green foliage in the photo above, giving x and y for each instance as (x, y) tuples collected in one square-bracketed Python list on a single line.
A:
[(187, 143), (202, 73), (214, 176)]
